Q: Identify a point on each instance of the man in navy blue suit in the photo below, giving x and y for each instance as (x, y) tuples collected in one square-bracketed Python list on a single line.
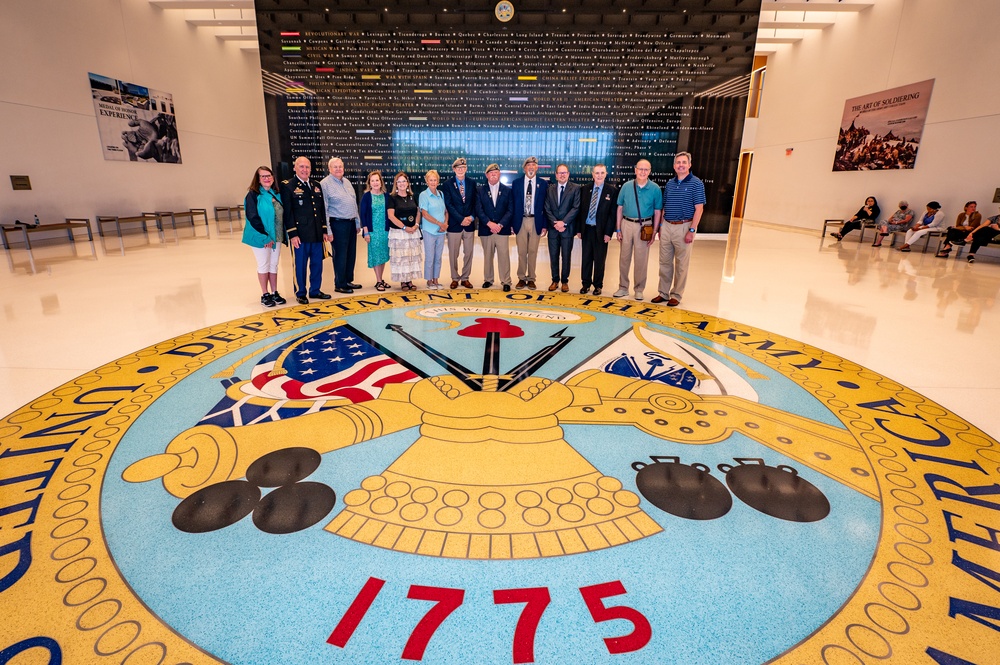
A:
[(495, 210), (460, 202), (529, 220), (562, 206)]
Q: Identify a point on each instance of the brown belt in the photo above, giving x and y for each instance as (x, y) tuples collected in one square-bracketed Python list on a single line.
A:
[(679, 221)]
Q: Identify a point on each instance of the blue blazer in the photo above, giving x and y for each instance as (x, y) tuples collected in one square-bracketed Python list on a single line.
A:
[(502, 213), (457, 209), (365, 214), (537, 202)]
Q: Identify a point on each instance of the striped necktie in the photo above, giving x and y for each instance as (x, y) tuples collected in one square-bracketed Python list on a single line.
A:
[(592, 213)]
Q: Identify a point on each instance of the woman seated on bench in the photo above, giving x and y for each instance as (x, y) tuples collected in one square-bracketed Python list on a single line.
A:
[(869, 212), (982, 235), (930, 220), (901, 220)]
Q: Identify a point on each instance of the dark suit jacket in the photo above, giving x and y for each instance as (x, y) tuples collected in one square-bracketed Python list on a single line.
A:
[(305, 211), (568, 210), (502, 213), (458, 209), (607, 208), (537, 202)]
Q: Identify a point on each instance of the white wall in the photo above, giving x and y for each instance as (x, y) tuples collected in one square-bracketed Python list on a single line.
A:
[(48, 127), (895, 43)]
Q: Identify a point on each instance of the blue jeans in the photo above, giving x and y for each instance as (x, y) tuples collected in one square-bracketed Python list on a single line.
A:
[(433, 250)]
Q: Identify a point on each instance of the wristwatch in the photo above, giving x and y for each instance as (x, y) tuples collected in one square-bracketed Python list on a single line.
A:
[(692, 230)]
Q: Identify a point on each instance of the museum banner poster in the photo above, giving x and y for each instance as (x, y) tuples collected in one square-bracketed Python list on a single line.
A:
[(136, 123), (882, 130)]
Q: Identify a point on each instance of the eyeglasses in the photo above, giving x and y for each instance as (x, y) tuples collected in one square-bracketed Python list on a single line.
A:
[(266, 176)]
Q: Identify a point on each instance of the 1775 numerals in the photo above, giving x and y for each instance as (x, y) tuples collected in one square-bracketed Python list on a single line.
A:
[(535, 600)]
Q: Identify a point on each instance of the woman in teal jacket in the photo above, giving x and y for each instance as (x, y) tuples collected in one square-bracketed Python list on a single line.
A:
[(265, 233)]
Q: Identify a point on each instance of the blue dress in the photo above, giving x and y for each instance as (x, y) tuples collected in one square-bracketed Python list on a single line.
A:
[(378, 248)]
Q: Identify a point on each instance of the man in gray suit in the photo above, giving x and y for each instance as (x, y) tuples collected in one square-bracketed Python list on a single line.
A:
[(562, 206)]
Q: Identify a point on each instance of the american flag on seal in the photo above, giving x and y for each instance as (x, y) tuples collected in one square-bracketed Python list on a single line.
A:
[(331, 367)]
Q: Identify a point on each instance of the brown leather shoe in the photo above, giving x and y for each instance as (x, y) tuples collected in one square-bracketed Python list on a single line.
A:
[(565, 287), (521, 284), (454, 284), (658, 299), (673, 302), (467, 284), (531, 284), (553, 286)]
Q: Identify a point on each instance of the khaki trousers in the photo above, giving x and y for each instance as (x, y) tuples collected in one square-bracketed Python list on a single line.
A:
[(632, 245), (466, 241), (675, 254), (527, 250), (500, 245)]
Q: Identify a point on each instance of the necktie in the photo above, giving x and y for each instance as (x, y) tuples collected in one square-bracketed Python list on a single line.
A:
[(461, 189), (527, 199), (495, 192), (592, 213), (559, 200)]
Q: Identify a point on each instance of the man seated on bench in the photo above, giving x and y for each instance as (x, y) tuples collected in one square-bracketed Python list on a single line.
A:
[(930, 220), (869, 212)]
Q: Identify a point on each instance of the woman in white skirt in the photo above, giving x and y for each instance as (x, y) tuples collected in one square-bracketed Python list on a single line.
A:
[(406, 249)]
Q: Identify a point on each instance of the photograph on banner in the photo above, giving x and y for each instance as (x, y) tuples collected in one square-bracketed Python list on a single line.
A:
[(136, 123), (882, 130)]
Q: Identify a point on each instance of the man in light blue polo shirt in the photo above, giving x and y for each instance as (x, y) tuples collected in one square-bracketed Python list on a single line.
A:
[(631, 219), (683, 205)]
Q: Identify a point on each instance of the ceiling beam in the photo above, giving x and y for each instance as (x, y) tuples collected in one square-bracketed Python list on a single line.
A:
[(203, 4), (806, 6), (790, 25), (778, 40), (223, 22), (238, 38)]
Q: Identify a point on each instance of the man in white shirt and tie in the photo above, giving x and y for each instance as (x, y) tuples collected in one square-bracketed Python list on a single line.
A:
[(528, 220)]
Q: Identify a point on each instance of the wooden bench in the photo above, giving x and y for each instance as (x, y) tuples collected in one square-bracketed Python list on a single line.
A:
[(143, 219), (839, 223), (191, 215), (68, 226), (935, 232), (228, 212)]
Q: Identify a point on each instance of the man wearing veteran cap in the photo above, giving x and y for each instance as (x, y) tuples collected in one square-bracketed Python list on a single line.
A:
[(495, 211), (460, 202), (528, 221)]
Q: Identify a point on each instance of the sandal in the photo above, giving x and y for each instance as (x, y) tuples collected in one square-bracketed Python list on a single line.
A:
[(380, 286)]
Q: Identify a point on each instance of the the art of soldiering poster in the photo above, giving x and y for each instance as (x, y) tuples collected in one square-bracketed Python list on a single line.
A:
[(136, 123), (882, 130)]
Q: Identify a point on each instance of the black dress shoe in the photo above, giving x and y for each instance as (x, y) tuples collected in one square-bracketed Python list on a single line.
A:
[(487, 285), (585, 289), (506, 288), (597, 291), (302, 300), (352, 285), (319, 295), (343, 289)]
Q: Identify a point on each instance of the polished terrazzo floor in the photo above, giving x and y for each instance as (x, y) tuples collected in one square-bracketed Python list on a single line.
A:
[(928, 323)]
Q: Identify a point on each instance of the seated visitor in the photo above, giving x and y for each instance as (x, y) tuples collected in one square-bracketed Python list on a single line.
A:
[(901, 220), (979, 236), (931, 219), (869, 212)]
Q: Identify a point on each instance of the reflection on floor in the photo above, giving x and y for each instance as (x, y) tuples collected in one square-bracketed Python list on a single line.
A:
[(293, 485), (911, 317)]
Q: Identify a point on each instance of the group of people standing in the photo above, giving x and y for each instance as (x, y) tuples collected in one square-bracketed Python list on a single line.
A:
[(411, 233), (969, 227)]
